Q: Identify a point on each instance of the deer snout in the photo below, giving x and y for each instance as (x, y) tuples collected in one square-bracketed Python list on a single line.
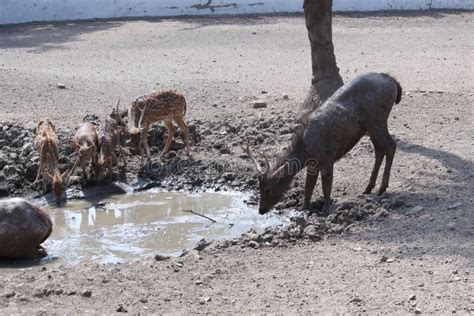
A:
[(263, 210)]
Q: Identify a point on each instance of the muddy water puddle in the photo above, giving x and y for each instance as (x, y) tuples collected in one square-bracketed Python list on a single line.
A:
[(131, 226)]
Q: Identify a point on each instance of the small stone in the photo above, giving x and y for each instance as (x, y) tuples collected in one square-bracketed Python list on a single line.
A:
[(204, 300), (417, 311), (311, 233), (455, 272), (225, 150), (413, 298), (161, 257), (10, 295), (451, 226), (263, 92), (286, 97), (207, 132), (259, 104), (87, 293), (121, 309), (201, 245), (61, 86), (253, 244), (143, 300)]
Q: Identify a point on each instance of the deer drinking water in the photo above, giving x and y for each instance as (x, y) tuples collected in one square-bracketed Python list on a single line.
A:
[(47, 146), (86, 144), (359, 107), (109, 140), (166, 106)]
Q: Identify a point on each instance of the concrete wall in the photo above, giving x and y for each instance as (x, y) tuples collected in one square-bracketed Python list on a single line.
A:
[(20, 11)]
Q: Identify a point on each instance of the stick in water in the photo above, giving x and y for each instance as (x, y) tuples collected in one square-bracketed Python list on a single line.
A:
[(202, 215)]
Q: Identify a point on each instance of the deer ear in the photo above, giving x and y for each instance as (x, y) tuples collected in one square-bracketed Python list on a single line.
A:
[(279, 172)]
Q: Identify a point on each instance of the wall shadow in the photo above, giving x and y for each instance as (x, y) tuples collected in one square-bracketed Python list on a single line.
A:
[(48, 36)]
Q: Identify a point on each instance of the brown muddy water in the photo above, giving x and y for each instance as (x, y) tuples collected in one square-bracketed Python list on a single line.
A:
[(130, 226)]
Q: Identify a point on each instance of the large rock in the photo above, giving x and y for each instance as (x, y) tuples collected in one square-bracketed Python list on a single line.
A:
[(23, 227)]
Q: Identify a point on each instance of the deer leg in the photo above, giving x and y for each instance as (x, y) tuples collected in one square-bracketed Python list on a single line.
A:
[(391, 147), (380, 136), (171, 131), (84, 169), (379, 155), (145, 143), (184, 127), (326, 177), (40, 171), (311, 179)]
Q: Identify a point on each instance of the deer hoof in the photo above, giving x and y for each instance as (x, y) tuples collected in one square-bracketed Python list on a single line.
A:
[(381, 190), (368, 190)]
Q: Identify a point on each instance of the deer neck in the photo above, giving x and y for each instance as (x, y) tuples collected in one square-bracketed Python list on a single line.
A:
[(294, 157)]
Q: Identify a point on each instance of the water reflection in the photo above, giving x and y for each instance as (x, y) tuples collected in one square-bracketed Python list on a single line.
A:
[(128, 226)]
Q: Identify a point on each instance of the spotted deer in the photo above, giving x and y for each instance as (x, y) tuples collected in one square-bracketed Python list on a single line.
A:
[(86, 145), (166, 106), (47, 147), (109, 140), (360, 107)]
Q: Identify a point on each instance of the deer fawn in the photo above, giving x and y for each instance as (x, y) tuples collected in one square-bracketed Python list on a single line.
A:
[(86, 144), (328, 133), (47, 146), (166, 106), (109, 140)]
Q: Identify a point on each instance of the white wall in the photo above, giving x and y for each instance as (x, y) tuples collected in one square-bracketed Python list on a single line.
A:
[(20, 11)]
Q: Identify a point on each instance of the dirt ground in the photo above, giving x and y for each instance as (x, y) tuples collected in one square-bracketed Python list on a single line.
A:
[(414, 256)]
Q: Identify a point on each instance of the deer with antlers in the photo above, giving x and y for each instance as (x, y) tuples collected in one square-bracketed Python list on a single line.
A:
[(109, 140), (47, 146), (86, 144), (328, 133), (166, 106)]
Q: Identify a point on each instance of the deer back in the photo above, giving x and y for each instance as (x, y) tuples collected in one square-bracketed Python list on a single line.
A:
[(157, 106)]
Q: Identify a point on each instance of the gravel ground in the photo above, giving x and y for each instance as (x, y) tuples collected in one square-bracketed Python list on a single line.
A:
[(409, 251)]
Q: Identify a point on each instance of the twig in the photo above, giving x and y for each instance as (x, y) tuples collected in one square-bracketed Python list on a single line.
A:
[(198, 214)]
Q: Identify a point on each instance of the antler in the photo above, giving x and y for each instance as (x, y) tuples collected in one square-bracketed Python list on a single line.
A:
[(261, 171), (141, 118)]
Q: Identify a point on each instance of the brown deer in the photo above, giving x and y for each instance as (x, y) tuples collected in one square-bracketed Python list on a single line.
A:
[(109, 140), (47, 146), (86, 144), (328, 133), (166, 106), (23, 228)]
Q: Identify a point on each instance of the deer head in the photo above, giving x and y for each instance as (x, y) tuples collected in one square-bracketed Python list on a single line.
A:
[(136, 131), (58, 181), (271, 187)]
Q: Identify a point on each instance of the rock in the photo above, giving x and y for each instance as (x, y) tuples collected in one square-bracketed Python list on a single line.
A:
[(4, 160), (417, 310), (228, 176), (259, 104), (201, 245), (204, 300), (253, 244), (23, 227), (413, 298), (207, 132), (225, 150), (10, 294), (285, 97), (312, 233), (11, 170), (161, 257), (121, 309), (451, 226), (381, 213), (26, 149), (87, 293), (61, 86)]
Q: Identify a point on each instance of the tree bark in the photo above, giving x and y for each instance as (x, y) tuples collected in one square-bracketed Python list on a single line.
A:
[(326, 78)]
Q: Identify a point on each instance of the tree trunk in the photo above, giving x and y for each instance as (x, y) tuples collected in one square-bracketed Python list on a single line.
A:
[(326, 79)]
